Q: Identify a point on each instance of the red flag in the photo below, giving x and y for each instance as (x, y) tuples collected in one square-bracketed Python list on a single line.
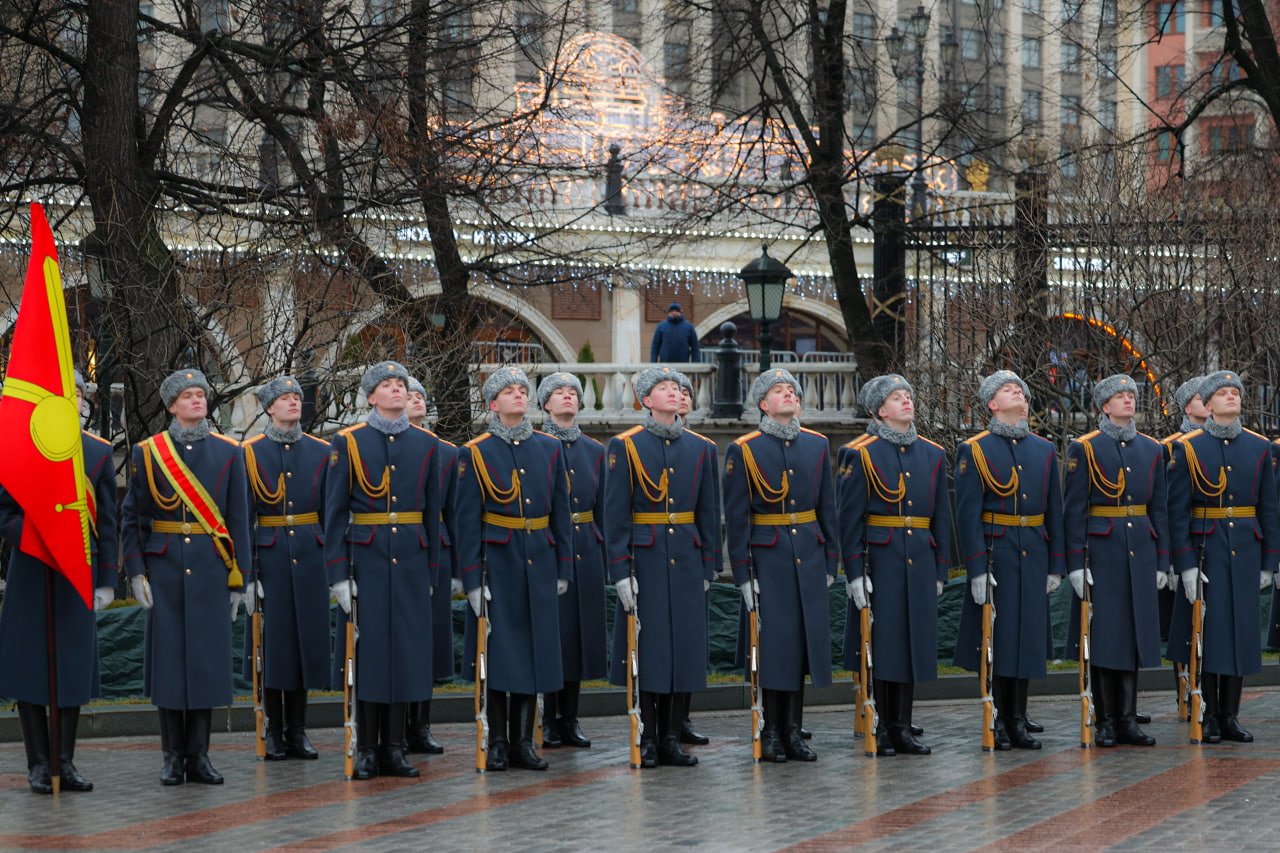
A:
[(42, 466)]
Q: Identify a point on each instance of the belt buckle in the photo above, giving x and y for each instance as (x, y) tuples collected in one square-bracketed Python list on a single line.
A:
[(186, 527), (528, 525), (288, 520), (393, 517), (1129, 509), (577, 517), (1022, 521), (906, 521), (792, 518), (1231, 511), (672, 518)]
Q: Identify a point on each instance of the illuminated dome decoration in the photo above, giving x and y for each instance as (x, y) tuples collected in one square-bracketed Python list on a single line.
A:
[(605, 81)]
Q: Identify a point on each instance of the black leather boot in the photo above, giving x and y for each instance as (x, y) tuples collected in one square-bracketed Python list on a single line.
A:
[(1230, 688), (367, 730), (35, 737), (1001, 693), (1104, 729), (771, 746), (273, 740), (1209, 731), (296, 742), (900, 735), (199, 724), (173, 744), (1017, 727), (567, 720), (550, 731), (524, 707), (687, 733), (804, 733), (649, 729), (672, 707), (68, 721), (391, 761), (792, 741), (1125, 696), (498, 758), (884, 709)]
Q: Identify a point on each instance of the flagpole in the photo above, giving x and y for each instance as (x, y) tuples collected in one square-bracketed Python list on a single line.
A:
[(55, 740)]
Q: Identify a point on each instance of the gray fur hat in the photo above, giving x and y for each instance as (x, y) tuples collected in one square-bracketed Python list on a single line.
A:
[(79, 377), (415, 385), (765, 381), (501, 378), (271, 391), (686, 383), (1186, 393), (1111, 386), (180, 380), (1213, 382), (651, 376), (875, 391), (993, 383), (550, 384), (381, 372)]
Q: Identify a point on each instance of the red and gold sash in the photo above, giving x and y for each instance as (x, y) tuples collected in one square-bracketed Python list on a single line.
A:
[(198, 501)]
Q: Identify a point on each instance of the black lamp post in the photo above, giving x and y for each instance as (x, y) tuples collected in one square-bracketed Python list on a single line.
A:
[(765, 280), (919, 29)]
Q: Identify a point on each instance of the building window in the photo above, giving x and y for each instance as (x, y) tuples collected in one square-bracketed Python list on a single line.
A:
[(1166, 147), (1031, 53), (1107, 60), (1032, 7), (1108, 13), (1070, 58), (1230, 138), (1170, 18), (1067, 163), (1069, 112), (1030, 108), (1071, 9), (1170, 80), (575, 302), (995, 100), (1107, 114), (658, 295), (971, 44), (1224, 70), (864, 26)]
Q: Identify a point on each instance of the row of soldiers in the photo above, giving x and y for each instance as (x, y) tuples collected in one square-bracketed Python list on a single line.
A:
[(531, 524)]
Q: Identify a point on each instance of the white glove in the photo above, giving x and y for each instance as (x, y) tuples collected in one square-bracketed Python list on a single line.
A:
[(1051, 583), (343, 592), (1189, 583), (1265, 580), (252, 595), (1077, 579), (102, 596), (474, 597), (706, 586), (830, 580), (455, 587), (978, 588), (1276, 578), (627, 589), (750, 589), (562, 586), (236, 597), (1162, 581), (858, 589), (1173, 580), (142, 591), (941, 584)]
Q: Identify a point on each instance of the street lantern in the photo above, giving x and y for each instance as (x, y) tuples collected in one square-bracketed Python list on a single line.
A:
[(948, 50), (765, 280), (920, 23)]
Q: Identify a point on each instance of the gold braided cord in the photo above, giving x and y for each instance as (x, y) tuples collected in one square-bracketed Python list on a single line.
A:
[(877, 482), (502, 496), (353, 461), (1198, 478), (166, 504), (260, 489), (1109, 489), (766, 491), (1003, 490), (654, 492)]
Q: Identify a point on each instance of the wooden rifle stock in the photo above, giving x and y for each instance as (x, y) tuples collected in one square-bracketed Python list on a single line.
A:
[(1086, 670), (1194, 674), (259, 687), (349, 697), (866, 674), (482, 686), (985, 663), (633, 684), (757, 710)]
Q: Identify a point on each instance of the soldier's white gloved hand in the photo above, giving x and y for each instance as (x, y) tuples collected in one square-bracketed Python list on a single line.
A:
[(750, 589), (455, 587), (142, 591), (978, 588), (1276, 578), (706, 586), (1162, 581), (1076, 578), (1173, 580), (830, 580), (857, 590), (102, 596), (941, 584), (1265, 580), (236, 597), (627, 589), (343, 592), (473, 596), (252, 595), (1051, 583), (1189, 583), (562, 586)]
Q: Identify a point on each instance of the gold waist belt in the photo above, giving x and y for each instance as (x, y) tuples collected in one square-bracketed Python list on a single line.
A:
[(515, 522), (288, 520), (386, 518), (1117, 511), (771, 518), (178, 527), (1223, 512), (584, 517), (1013, 520), (919, 521), (662, 518)]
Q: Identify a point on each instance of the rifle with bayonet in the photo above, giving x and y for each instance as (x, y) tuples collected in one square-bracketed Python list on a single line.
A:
[(260, 720), (866, 670)]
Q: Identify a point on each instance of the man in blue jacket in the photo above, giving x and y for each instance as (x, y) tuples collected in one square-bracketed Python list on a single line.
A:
[(675, 341)]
